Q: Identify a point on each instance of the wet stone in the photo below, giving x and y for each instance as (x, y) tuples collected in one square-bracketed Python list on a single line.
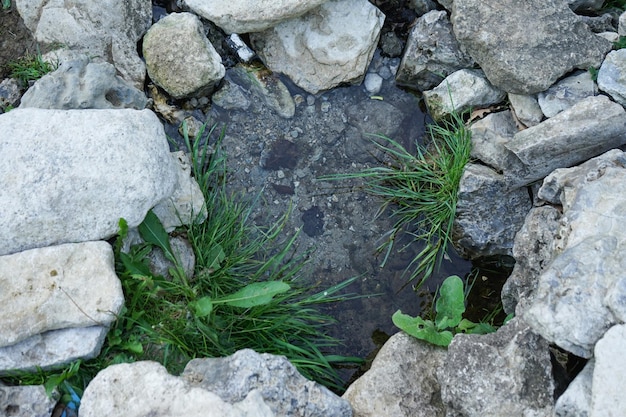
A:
[(313, 219), (282, 154)]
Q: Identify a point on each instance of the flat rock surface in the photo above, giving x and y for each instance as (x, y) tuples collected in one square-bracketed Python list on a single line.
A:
[(55, 287), (70, 175), (524, 47)]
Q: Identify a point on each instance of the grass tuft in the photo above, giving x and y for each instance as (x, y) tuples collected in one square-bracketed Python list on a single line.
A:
[(421, 191), (30, 68)]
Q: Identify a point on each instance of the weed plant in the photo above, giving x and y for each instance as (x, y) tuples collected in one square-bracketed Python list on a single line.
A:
[(6, 4), (421, 191), (30, 68)]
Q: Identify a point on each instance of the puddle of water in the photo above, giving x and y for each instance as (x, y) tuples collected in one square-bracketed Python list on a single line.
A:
[(281, 160)]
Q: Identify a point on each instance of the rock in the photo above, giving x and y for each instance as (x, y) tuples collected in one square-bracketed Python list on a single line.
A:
[(507, 373), (118, 166), (587, 129), (589, 267), (26, 401), (373, 83), (180, 58), (607, 394), (326, 47), (230, 96), (612, 76), (533, 249), (52, 349), (525, 48), (406, 387), (599, 24), (107, 30), (80, 84), (431, 54), (488, 138), (186, 204), (561, 186), (461, 90), (422, 7), (621, 27), (567, 92), (182, 250), (391, 44), (526, 109), (145, 388), (576, 400), (266, 86), (10, 93), (282, 388), (52, 288), (244, 17), (577, 5), (488, 213)]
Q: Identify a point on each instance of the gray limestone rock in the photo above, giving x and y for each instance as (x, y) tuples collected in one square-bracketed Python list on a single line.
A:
[(26, 401), (261, 83), (587, 129), (246, 16), (401, 382), (431, 54), (80, 84), (70, 175), (282, 388), (567, 92), (533, 250), (588, 268), (53, 288), (460, 91), (180, 58), (612, 76), (526, 109), (186, 204), (107, 30), (621, 27), (52, 349), (488, 138), (507, 373), (10, 93), (579, 5), (146, 389), (488, 213), (576, 400), (330, 45), (607, 391), (525, 47)]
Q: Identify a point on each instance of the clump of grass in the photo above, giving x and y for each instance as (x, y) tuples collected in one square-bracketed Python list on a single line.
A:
[(421, 191), (243, 293), (30, 68)]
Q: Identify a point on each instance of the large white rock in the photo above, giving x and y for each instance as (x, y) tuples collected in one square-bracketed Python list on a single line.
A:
[(70, 285), (400, 387), (52, 349), (582, 292), (106, 30), (330, 45), (145, 388), (612, 75), (70, 175), (609, 375), (180, 58), (239, 16)]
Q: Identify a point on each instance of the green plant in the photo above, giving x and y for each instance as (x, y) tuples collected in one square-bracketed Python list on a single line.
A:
[(449, 309), (620, 43), (617, 4), (593, 72), (6, 4), (30, 68), (422, 190)]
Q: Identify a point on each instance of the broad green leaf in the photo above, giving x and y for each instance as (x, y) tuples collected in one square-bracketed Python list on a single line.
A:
[(482, 328), (255, 294), (133, 346), (152, 231), (421, 329), (202, 307), (134, 267), (450, 305)]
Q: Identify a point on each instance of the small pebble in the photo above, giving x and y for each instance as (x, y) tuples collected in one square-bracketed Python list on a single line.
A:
[(373, 83), (325, 107), (310, 100)]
